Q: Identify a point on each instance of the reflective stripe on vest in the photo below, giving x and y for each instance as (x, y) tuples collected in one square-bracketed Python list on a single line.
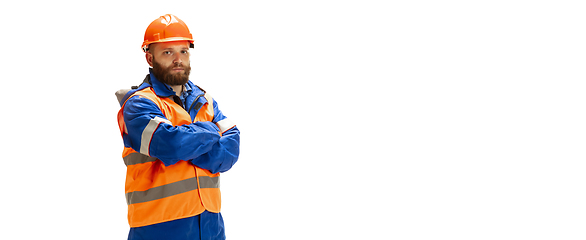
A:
[(171, 189), (157, 193), (137, 158)]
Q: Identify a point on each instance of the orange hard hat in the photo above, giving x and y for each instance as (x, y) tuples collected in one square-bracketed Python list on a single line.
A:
[(167, 28)]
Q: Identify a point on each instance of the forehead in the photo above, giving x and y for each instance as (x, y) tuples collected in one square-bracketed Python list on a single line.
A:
[(170, 45)]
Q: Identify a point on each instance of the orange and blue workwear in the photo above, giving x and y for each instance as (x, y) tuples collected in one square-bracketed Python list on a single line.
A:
[(175, 148)]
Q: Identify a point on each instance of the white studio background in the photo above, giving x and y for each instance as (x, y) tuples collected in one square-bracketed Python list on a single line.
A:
[(359, 119)]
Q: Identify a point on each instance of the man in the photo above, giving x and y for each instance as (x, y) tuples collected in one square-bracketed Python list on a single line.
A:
[(176, 143)]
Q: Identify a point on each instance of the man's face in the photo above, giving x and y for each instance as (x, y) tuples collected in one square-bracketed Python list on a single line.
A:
[(170, 62)]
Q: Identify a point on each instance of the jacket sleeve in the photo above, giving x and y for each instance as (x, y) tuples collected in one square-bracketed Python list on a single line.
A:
[(150, 133), (224, 153)]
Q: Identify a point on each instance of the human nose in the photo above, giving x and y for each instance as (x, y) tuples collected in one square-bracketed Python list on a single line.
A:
[(177, 59)]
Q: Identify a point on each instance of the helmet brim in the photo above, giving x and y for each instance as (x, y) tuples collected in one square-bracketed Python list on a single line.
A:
[(145, 45)]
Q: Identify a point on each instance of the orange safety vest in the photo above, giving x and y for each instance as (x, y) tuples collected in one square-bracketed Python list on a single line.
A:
[(155, 193)]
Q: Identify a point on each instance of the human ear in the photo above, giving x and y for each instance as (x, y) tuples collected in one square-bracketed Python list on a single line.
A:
[(149, 58)]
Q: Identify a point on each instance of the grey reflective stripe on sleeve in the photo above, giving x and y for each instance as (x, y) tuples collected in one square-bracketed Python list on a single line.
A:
[(137, 158), (147, 133), (171, 189), (225, 125), (209, 182)]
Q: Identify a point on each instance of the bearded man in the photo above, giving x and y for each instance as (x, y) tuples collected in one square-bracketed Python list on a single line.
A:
[(176, 144)]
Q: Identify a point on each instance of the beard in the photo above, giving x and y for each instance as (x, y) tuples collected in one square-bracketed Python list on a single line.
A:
[(165, 75)]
